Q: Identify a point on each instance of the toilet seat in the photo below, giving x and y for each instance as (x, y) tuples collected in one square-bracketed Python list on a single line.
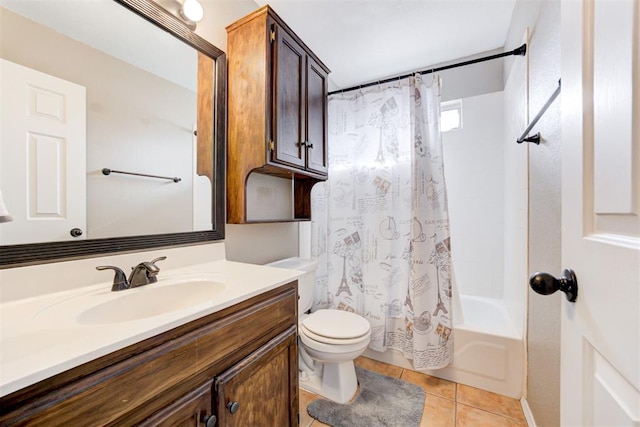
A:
[(334, 331), (335, 325), (342, 348), (333, 341)]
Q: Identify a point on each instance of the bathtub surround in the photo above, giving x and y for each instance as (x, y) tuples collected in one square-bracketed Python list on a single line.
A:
[(381, 227), (373, 405), (476, 150)]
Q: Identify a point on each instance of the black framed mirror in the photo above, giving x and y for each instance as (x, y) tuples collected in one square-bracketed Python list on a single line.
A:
[(209, 145)]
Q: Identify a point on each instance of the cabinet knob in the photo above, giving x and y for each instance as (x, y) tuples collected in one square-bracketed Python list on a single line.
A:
[(208, 420), (233, 407), (75, 232)]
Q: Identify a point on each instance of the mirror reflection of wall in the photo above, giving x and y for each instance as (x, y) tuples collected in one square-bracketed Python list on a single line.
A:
[(136, 120)]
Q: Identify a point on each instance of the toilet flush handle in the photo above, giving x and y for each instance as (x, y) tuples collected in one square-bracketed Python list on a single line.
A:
[(546, 284)]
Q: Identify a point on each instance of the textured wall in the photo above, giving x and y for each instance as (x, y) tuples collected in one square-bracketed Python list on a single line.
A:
[(543, 379)]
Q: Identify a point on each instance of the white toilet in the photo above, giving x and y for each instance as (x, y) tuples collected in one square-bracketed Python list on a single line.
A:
[(329, 340)]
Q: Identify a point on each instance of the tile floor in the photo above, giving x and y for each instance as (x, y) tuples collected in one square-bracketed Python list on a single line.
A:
[(447, 404)]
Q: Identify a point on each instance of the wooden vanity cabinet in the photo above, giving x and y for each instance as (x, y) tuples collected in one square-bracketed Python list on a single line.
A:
[(258, 391), (246, 353), (194, 409), (277, 110)]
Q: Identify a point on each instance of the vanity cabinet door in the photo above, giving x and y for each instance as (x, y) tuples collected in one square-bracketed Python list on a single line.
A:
[(262, 389), (192, 410)]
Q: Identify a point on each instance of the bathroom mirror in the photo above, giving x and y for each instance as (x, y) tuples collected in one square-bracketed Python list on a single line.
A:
[(154, 104)]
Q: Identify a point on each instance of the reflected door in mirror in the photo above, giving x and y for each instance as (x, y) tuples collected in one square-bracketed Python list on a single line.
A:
[(43, 155)]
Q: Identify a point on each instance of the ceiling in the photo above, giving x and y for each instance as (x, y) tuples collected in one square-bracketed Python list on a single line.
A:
[(367, 40)]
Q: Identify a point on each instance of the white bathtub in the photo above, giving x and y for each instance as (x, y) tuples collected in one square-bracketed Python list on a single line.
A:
[(489, 350)]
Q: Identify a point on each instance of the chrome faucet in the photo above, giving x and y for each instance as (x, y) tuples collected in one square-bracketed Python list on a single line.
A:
[(142, 274)]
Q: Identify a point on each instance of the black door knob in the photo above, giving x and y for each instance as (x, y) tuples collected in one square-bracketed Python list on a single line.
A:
[(75, 232), (546, 284)]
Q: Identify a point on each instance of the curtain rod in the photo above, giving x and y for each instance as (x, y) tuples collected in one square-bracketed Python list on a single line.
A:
[(520, 51)]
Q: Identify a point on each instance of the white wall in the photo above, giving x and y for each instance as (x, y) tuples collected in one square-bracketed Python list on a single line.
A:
[(472, 80), (543, 332), (474, 170)]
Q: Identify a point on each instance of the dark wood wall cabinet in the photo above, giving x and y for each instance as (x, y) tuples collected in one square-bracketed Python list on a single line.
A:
[(277, 110), (236, 367)]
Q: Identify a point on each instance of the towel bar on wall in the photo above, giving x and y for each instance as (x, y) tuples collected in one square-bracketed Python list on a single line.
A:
[(107, 171), (536, 138)]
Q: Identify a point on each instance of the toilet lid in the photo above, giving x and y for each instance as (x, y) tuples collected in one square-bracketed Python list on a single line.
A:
[(337, 324)]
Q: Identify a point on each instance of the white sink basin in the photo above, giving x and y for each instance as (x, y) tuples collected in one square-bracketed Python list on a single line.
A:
[(104, 307)]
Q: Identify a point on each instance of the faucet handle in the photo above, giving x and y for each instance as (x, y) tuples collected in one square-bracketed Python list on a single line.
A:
[(151, 274), (120, 282), (161, 258)]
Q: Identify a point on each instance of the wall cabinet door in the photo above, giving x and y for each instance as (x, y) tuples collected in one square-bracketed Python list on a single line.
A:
[(261, 390), (299, 114), (316, 113), (289, 63)]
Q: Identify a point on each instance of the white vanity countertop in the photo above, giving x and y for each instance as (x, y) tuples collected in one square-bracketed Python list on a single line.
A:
[(34, 347)]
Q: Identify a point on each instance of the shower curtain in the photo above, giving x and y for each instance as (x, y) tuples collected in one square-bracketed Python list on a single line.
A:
[(380, 227)]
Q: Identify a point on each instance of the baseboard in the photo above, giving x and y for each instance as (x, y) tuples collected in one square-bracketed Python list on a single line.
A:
[(528, 415)]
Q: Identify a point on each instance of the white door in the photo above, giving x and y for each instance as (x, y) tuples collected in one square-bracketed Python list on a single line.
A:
[(600, 379), (42, 156)]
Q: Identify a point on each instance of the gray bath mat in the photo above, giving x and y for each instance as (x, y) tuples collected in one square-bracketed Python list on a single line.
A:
[(381, 402)]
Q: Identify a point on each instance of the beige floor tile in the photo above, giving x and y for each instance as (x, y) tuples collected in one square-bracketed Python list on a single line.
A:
[(379, 367), (306, 398), (431, 385), (317, 423), (468, 416), (438, 412), (490, 402)]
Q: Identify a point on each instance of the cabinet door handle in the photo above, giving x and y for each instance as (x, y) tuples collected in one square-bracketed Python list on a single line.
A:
[(309, 145), (233, 406), (208, 420)]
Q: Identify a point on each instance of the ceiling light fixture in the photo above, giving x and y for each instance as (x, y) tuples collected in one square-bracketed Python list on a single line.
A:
[(192, 11), (188, 12)]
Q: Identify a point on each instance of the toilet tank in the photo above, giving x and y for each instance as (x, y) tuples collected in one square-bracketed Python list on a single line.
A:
[(306, 282)]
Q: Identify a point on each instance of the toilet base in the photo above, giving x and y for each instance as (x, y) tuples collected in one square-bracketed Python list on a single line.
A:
[(333, 381)]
